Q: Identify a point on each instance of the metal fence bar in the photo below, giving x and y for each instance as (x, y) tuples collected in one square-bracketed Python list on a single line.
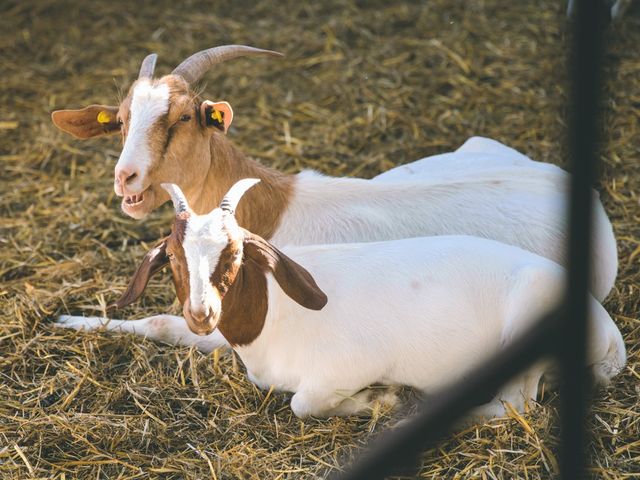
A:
[(586, 65), (562, 333)]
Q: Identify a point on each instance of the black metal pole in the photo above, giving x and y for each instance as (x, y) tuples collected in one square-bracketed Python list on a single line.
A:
[(586, 64), (564, 334)]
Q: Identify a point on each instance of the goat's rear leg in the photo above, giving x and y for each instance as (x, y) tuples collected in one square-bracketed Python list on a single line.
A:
[(169, 329), (519, 392)]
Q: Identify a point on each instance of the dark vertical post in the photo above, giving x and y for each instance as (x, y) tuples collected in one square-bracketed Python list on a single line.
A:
[(586, 65), (400, 447)]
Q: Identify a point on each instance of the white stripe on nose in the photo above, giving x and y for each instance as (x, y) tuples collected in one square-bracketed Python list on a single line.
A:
[(204, 277), (200, 285), (149, 102)]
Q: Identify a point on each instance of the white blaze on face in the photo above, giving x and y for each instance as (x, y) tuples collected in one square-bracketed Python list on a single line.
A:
[(203, 243), (148, 103)]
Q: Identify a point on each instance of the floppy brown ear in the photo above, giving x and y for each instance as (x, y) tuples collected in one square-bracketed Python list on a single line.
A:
[(153, 261), (91, 121), (292, 277)]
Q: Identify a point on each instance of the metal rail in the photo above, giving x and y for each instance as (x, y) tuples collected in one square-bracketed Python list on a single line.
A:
[(562, 333)]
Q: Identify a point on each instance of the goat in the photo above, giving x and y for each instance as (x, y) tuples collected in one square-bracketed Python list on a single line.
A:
[(417, 312), (172, 135)]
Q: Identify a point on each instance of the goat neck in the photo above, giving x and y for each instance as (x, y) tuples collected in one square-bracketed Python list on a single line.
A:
[(268, 200)]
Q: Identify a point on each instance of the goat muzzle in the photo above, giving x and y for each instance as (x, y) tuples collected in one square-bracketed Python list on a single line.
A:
[(200, 321)]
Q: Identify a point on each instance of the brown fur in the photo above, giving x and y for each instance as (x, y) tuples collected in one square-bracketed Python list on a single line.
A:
[(168, 250), (227, 268), (175, 255), (203, 162), (244, 307), (84, 123), (153, 261), (296, 282), (262, 206)]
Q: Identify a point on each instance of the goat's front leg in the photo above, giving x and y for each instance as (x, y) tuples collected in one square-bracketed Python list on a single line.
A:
[(169, 329)]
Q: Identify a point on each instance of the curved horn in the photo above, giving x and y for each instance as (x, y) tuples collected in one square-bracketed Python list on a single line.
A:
[(194, 67), (177, 197), (235, 193), (148, 66)]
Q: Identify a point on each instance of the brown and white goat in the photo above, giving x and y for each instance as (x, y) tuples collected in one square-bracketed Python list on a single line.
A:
[(170, 134), (327, 321), (174, 136)]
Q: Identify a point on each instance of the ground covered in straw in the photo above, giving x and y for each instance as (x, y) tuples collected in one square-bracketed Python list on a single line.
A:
[(365, 85)]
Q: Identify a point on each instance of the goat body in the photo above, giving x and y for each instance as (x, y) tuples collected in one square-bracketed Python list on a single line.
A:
[(415, 312), (327, 321)]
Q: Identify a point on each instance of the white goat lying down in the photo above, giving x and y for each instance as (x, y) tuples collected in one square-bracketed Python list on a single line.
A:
[(417, 312), (171, 135)]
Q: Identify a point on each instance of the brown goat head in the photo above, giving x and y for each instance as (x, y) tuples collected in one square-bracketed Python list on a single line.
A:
[(162, 121)]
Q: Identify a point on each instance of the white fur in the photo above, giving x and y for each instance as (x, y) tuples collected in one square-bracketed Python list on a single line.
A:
[(149, 102), (201, 233), (510, 204), (169, 329), (417, 312), (476, 155), (484, 189)]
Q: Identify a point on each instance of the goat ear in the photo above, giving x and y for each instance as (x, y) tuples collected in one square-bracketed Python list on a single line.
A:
[(216, 114), (294, 280), (91, 121), (153, 261)]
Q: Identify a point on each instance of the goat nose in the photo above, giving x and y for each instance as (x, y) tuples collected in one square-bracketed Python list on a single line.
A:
[(125, 176), (199, 314)]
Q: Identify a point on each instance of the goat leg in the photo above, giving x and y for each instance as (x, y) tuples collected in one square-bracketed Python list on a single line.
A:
[(169, 329)]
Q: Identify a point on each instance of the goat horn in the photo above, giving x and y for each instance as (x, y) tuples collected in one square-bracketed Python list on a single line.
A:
[(148, 66), (194, 67), (235, 193), (177, 197)]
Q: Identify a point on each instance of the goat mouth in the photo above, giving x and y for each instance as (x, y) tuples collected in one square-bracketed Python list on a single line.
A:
[(131, 202)]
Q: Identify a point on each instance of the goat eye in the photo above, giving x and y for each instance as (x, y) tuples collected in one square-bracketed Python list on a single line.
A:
[(120, 122), (185, 118), (171, 256)]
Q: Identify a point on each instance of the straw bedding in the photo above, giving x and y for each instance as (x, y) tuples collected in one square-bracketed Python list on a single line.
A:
[(365, 85)]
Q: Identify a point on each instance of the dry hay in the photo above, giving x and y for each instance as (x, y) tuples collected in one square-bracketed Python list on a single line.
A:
[(365, 86)]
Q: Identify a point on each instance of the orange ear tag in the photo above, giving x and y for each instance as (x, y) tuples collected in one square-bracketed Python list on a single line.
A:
[(104, 117)]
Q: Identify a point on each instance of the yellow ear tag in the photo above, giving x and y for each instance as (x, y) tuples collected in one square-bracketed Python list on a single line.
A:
[(215, 114), (103, 117)]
